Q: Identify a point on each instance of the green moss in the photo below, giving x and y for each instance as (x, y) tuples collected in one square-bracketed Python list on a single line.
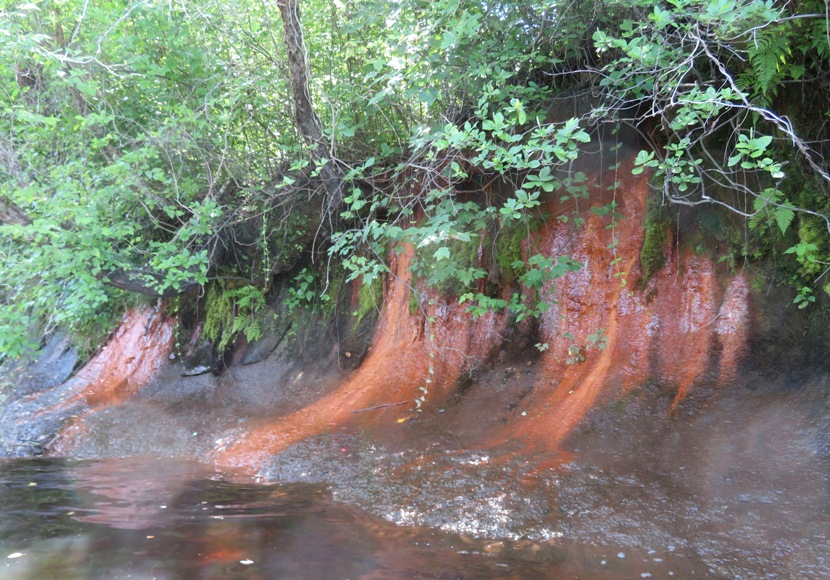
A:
[(327, 304), (652, 253), (369, 298), (414, 303), (452, 274), (811, 230), (218, 315)]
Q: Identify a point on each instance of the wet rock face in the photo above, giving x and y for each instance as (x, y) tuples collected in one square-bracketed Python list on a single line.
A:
[(409, 358), (735, 482), (136, 351), (202, 359), (260, 349), (623, 334), (28, 438), (54, 364)]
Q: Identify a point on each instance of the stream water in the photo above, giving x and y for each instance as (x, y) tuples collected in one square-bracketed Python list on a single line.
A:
[(736, 484), (149, 518), (732, 483)]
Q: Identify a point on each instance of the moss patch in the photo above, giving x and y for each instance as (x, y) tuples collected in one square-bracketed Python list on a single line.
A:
[(509, 250), (450, 268), (218, 315), (414, 303), (369, 298), (652, 253)]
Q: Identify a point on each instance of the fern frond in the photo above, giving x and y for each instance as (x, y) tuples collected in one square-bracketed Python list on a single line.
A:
[(767, 54), (784, 217)]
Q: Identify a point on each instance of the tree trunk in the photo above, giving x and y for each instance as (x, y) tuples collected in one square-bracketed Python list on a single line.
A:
[(306, 120), (12, 214), (142, 282)]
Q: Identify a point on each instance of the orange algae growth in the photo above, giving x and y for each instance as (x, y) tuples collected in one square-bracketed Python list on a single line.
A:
[(408, 353), (681, 326), (605, 336), (130, 360)]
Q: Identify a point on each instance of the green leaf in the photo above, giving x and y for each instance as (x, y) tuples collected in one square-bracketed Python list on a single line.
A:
[(442, 254), (784, 217), (761, 143)]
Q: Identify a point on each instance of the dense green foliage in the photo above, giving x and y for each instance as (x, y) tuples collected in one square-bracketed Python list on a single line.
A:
[(147, 137)]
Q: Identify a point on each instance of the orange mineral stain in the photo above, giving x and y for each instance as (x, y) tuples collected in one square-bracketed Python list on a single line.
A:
[(131, 359), (411, 351), (676, 328), (607, 332)]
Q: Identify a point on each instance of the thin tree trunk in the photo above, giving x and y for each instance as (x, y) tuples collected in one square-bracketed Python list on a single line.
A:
[(306, 120), (12, 214)]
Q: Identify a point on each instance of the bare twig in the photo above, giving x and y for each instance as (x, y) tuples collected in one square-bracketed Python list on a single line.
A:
[(385, 405)]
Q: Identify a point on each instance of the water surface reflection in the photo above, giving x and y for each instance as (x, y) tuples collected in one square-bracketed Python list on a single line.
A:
[(151, 518)]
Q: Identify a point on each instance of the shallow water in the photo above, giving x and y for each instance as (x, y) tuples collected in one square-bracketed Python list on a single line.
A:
[(151, 518), (735, 484)]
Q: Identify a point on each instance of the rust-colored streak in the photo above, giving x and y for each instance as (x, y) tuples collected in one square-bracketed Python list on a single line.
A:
[(607, 333), (732, 328), (680, 326), (684, 315), (675, 329), (596, 297), (130, 360), (407, 352)]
